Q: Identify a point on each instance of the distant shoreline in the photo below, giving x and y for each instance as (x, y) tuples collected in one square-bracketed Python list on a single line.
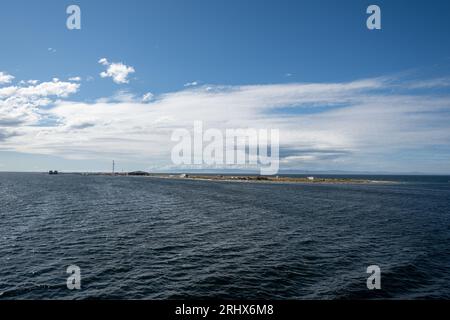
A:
[(312, 178), (269, 179)]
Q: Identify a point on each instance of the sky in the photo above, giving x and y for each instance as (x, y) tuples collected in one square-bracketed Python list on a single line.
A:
[(342, 96)]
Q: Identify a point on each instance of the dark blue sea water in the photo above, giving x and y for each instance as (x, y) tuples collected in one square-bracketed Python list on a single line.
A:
[(150, 238)]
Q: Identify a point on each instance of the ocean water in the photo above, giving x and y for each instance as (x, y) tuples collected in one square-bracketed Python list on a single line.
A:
[(152, 238)]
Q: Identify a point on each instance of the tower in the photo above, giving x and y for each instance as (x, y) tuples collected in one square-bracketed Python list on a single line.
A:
[(113, 168)]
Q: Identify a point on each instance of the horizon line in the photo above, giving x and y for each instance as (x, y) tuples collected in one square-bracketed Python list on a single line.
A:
[(331, 172)]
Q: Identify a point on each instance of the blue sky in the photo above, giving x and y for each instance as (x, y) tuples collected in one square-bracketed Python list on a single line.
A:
[(237, 45)]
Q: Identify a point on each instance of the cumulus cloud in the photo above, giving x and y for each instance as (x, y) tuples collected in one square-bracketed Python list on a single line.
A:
[(76, 79), (116, 70), (5, 78), (20, 105)]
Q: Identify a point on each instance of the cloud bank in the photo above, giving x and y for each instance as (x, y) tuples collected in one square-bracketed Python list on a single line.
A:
[(358, 125)]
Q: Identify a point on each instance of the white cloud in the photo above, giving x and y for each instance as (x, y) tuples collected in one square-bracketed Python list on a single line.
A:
[(44, 89), (28, 82), (428, 84), (117, 71), (191, 84), (147, 97), (5, 78), (21, 104), (76, 79), (103, 61), (123, 96)]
